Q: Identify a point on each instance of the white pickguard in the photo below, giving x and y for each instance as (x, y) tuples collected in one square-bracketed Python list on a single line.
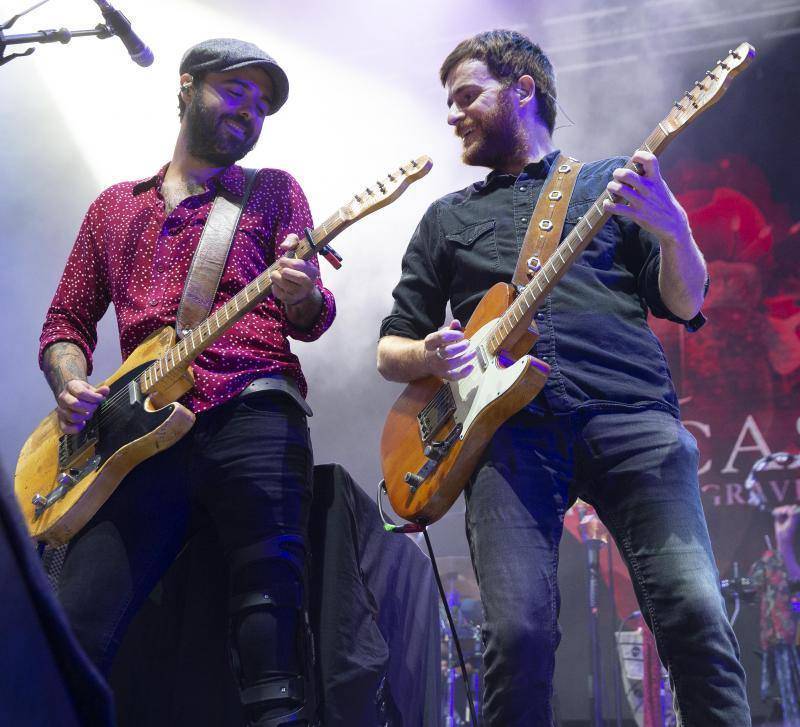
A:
[(484, 385)]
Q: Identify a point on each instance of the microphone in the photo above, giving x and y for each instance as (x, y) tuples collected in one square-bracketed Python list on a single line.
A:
[(121, 26)]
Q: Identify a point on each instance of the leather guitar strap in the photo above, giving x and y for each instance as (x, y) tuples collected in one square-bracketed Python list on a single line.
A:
[(544, 229), (209, 258)]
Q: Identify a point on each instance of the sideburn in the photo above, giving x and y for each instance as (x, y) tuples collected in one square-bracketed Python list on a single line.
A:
[(504, 137)]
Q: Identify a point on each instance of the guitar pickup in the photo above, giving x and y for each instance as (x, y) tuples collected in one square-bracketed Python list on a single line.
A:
[(134, 393), (435, 415), (72, 447)]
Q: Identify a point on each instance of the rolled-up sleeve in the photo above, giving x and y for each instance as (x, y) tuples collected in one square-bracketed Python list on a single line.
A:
[(420, 297), (83, 295), (645, 252)]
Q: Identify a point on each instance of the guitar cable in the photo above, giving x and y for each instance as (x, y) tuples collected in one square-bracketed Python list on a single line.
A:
[(409, 528)]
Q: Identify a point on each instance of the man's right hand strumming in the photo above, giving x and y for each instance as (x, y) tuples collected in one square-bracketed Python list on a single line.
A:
[(76, 399), (445, 353)]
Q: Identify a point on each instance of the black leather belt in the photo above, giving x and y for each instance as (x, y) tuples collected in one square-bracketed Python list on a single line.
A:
[(278, 382)]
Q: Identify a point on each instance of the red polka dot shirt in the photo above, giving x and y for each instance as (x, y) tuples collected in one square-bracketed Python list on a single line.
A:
[(131, 254)]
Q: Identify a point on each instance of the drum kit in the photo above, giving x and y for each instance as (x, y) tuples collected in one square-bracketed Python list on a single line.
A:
[(463, 597)]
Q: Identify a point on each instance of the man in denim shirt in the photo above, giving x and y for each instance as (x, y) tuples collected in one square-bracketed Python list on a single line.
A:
[(606, 426)]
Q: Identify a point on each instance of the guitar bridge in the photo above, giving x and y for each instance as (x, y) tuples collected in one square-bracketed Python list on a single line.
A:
[(72, 446), (436, 413), (67, 479)]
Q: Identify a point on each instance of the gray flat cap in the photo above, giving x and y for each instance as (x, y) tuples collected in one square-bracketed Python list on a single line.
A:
[(228, 54)]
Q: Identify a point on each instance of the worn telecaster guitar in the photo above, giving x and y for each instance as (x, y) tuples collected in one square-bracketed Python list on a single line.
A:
[(63, 479), (437, 430)]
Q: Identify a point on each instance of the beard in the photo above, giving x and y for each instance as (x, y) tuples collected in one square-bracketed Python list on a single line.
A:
[(209, 138), (497, 138)]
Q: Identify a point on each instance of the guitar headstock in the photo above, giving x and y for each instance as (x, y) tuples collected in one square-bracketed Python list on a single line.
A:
[(385, 190), (705, 93)]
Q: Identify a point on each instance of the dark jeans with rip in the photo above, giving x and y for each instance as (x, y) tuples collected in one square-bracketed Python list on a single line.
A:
[(638, 468), (245, 468)]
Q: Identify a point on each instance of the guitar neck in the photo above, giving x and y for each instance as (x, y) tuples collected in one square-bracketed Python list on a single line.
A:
[(177, 359), (566, 253), (703, 95)]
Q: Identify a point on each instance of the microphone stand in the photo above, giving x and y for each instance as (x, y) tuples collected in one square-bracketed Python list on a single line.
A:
[(592, 537), (62, 35)]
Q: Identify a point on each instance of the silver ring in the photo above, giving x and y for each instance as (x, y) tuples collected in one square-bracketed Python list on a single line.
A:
[(439, 354)]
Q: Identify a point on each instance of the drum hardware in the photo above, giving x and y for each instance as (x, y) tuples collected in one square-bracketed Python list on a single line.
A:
[(465, 607)]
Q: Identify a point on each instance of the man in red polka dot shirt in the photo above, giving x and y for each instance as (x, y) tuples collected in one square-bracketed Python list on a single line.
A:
[(245, 466)]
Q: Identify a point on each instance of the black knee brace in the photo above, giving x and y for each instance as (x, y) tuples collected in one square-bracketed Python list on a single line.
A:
[(271, 644)]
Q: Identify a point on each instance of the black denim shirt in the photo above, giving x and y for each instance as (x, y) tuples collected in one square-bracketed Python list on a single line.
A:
[(593, 326)]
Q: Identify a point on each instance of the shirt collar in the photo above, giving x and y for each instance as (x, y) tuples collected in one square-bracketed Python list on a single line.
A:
[(534, 170), (231, 179)]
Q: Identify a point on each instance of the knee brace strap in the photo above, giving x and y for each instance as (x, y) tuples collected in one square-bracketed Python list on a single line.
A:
[(285, 547), (280, 595), (276, 690)]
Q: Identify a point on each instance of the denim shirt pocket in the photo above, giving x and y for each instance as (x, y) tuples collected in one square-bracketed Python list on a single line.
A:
[(468, 235), (473, 251)]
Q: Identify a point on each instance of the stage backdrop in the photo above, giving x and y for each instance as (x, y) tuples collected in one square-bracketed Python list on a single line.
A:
[(364, 98)]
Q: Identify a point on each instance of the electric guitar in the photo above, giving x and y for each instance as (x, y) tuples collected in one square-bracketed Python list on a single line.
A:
[(62, 480), (437, 430)]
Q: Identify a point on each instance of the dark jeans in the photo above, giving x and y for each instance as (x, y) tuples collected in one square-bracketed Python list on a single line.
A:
[(639, 470), (245, 467)]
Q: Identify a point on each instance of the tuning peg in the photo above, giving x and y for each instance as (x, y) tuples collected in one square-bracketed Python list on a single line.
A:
[(414, 163), (381, 187), (370, 192), (711, 75), (357, 198), (678, 106), (391, 178), (725, 66), (734, 54), (402, 170)]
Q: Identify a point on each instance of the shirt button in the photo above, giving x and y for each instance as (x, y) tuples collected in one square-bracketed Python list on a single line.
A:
[(522, 189), (154, 303), (540, 316), (523, 219), (160, 268)]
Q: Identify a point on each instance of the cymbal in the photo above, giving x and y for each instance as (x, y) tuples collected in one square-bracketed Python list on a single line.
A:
[(457, 575)]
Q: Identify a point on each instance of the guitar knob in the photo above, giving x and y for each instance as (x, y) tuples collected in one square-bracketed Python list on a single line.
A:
[(413, 481), (65, 479), (39, 500)]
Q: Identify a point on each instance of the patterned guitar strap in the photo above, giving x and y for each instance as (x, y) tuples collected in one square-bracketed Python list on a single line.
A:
[(210, 256), (547, 222)]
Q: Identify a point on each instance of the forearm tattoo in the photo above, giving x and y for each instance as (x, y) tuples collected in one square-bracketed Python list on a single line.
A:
[(63, 361)]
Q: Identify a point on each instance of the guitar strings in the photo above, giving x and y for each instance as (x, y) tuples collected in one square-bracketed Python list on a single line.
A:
[(111, 407)]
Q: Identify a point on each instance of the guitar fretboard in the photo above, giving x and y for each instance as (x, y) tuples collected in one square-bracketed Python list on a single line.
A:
[(703, 95), (533, 294), (176, 359)]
